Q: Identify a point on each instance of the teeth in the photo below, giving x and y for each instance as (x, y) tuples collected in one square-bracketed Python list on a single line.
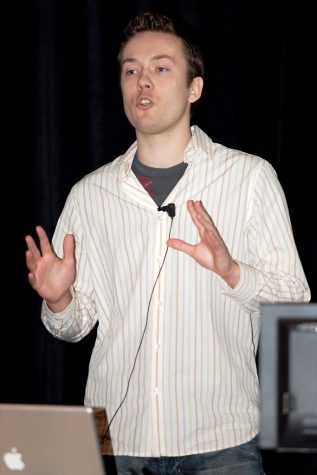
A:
[(145, 101)]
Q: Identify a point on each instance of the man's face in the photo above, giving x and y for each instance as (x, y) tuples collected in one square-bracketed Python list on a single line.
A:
[(153, 80)]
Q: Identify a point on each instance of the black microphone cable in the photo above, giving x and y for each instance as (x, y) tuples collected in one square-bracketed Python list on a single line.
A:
[(170, 209)]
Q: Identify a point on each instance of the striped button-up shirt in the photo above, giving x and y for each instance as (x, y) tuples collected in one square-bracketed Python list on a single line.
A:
[(172, 336)]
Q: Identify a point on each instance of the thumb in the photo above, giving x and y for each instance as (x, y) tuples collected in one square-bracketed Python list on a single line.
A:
[(69, 247), (180, 245)]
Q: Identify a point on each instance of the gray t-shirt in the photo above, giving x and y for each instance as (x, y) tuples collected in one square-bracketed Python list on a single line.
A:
[(158, 182)]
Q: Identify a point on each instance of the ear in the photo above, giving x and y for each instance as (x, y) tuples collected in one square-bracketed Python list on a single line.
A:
[(195, 89)]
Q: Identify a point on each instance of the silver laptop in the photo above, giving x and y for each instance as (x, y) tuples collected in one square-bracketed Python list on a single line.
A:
[(49, 440)]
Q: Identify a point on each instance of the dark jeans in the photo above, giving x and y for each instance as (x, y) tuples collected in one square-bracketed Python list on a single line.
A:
[(244, 459)]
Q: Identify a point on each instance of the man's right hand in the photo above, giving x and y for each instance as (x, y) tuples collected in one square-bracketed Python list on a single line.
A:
[(51, 276)]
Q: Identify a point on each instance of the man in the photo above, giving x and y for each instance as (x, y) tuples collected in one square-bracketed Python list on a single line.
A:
[(170, 248)]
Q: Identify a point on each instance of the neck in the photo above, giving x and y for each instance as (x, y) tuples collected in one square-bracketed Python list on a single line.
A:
[(163, 150)]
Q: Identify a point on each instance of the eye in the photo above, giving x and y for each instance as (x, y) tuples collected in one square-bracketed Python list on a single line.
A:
[(131, 72), (161, 69)]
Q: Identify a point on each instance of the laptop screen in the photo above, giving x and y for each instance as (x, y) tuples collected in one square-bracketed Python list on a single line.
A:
[(49, 439)]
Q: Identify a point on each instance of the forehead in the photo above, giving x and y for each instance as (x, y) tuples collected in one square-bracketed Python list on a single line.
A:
[(150, 44)]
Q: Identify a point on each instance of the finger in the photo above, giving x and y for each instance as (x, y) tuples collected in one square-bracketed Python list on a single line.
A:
[(45, 244), (202, 216), (32, 279), (193, 214), (30, 261), (213, 240), (32, 248), (180, 245)]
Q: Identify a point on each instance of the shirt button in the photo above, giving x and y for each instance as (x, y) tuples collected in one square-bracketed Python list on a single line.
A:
[(156, 391), (157, 346)]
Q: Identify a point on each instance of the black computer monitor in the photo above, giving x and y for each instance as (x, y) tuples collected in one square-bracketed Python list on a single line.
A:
[(287, 360)]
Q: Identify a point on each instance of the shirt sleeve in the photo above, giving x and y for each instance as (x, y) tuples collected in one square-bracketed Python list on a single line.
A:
[(273, 272), (80, 317)]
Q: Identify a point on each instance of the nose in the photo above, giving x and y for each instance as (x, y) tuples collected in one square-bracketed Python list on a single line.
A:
[(144, 81)]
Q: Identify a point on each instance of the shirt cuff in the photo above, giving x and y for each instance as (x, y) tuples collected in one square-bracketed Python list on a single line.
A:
[(69, 309), (247, 287)]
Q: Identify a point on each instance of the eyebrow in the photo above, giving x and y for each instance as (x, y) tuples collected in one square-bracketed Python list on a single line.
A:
[(153, 58)]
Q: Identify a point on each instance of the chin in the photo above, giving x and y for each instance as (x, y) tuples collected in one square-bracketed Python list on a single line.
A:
[(149, 129)]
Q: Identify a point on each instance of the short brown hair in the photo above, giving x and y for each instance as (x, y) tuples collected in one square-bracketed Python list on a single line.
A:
[(152, 21)]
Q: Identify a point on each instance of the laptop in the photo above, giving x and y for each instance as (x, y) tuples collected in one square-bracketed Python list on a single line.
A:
[(49, 440)]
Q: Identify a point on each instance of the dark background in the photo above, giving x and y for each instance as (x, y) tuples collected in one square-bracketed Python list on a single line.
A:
[(65, 118)]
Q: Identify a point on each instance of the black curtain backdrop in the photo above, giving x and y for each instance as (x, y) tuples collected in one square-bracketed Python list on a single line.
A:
[(66, 118)]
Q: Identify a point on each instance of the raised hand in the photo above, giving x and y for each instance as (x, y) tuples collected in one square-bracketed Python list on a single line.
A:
[(211, 252), (50, 275)]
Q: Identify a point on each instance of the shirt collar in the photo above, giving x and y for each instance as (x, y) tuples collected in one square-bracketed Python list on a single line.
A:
[(199, 143)]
